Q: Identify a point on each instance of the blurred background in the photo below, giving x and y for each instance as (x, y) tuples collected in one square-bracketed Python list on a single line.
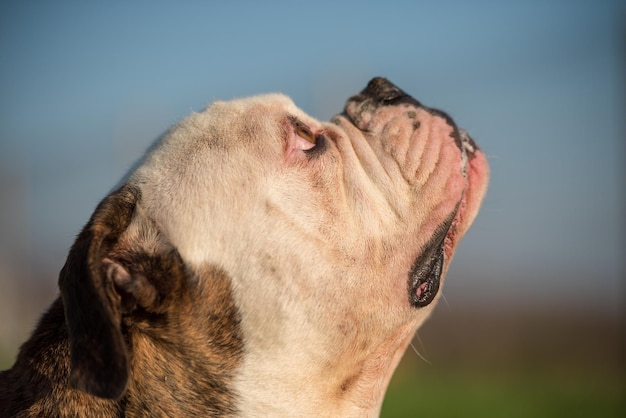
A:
[(533, 317)]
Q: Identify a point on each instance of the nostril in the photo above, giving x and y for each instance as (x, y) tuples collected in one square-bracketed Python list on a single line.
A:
[(380, 89), (383, 92), (379, 93)]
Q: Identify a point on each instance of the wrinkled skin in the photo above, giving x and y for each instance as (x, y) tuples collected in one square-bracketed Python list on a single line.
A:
[(333, 239)]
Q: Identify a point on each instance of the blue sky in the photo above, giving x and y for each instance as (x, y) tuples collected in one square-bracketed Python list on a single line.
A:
[(85, 87)]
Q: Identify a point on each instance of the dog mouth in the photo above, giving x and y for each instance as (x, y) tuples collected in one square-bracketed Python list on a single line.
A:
[(424, 277), (378, 105)]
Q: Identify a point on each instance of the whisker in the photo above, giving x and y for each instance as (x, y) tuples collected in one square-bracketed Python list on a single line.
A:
[(445, 300), (417, 352), (419, 355)]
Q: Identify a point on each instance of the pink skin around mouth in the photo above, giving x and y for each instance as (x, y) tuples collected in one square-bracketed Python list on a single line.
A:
[(421, 289), (477, 177)]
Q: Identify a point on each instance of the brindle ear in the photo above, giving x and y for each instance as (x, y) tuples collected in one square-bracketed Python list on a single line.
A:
[(99, 357)]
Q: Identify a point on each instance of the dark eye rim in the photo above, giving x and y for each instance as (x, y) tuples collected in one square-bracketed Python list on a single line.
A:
[(319, 140), (321, 145)]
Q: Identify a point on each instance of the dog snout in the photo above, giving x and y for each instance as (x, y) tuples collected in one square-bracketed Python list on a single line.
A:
[(378, 94), (382, 97)]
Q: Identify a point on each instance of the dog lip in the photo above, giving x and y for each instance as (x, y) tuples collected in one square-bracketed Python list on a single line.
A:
[(424, 278)]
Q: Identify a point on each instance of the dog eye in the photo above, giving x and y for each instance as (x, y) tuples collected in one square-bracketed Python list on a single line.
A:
[(321, 145), (305, 133), (313, 145)]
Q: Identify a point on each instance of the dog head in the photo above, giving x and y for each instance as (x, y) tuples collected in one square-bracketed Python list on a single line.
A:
[(332, 238)]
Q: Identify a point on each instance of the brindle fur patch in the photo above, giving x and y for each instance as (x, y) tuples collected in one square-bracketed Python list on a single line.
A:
[(179, 332)]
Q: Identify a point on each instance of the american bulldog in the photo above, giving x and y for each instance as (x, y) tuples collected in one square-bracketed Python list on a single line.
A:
[(257, 262)]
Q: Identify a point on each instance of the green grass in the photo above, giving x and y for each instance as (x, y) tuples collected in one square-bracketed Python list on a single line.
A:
[(420, 390), (6, 359), (505, 395)]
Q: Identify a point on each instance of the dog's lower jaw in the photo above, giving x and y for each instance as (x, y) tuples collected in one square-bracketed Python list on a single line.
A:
[(352, 386)]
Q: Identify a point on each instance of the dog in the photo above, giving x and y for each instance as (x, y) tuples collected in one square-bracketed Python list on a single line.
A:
[(257, 262)]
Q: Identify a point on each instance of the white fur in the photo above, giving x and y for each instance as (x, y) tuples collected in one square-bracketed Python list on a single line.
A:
[(318, 249)]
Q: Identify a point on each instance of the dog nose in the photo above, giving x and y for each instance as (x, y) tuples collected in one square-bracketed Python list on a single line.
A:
[(378, 93), (383, 92)]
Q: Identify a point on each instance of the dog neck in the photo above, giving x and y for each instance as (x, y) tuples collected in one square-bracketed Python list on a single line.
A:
[(299, 384)]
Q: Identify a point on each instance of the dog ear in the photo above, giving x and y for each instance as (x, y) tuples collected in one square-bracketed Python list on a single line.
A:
[(92, 302)]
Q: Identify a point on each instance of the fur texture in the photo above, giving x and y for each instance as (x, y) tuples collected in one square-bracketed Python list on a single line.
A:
[(257, 262)]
